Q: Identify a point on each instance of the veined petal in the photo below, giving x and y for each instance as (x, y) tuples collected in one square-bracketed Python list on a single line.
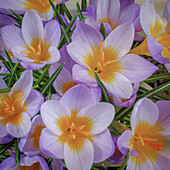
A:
[(144, 111), (13, 4), (87, 34), (124, 141), (77, 98), (23, 85), (32, 27), (81, 75), (51, 112), (9, 163), (47, 15), (32, 66), (167, 11), (108, 11), (147, 16), (12, 36), (136, 69), (2, 84), (79, 52), (3, 131), (52, 33), (124, 4), (79, 159), (53, 147), (22, 127), (100, 114), (167, 65), (119, 86), (58, 164), (120, 39), (33, 102), (103, 146), (129, 14)]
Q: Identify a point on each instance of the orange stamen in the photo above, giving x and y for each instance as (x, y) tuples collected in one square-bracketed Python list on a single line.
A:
[(157, 147)]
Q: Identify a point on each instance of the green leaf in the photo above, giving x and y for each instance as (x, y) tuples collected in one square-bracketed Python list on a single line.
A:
[(125, 111), (5, 90), (83, 5), (51, 79), (42, 75), (58, 14), (67, 12), (6, 147), (5, 74), (19, 17), (65, 35), (79, 12), (157, 77), (9, 59), (103, 31), (17, 152), (13, 73), (103, 89), (6, 64)]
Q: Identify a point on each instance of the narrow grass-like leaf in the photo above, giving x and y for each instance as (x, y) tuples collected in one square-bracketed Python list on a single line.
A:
[(157, 77), (126, 160), (103, 31), (49, 93), (6, 64), (114, 131), (83, 5), (9, 59), (5, 74), (13, 73), (67, 12), (19, 17), (65, 35), (79, 11), (58, 14), (103, 89), (71, 23), (42, 75), (51, 79), (6, 146), (60, 9), (17, 152), (125, 111), (5, 90)]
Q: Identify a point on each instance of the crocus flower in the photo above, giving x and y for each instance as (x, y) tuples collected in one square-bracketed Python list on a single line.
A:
[(42, 7), (18, 106), (108, 58), (34, 45), (150, 136), (77, 129), (29, 144), (6, 139), (26, 162), (157, 42)]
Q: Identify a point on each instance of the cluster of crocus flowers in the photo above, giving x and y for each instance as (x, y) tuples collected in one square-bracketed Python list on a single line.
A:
[(149, 138), (18, 106), (76, 129), (108, 58), (34, 45), (42, 7)]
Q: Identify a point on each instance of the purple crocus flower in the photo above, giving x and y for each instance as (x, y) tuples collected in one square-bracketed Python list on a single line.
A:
[(77, 129), (6, 139), (108, 58), (33, 45), (18, 106), (42, 7), (150, 136)]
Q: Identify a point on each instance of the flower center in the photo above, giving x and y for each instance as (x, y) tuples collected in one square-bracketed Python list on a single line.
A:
[(165, 42), (73, 130), (102, 63), (35, 166), (148, 141)]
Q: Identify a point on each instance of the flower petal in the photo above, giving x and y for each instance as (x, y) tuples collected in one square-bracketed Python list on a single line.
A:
[(81, 75), (51, 111), (53, 147), (144, 111), (77, 98), (136, 69), (87, 34), (33, 102), (22, 128), (52, 33), (3, 131), (79, 51), (32, 27), (100, 114), (103, 146), (32, 66), (12, 36), (119, 86), (120, 39), (167, 65), (2, 84), (82, 159)]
